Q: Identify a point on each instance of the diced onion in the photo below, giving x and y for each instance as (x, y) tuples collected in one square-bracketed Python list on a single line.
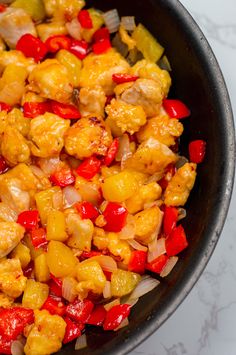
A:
[(124, 151), (120, 46), (128, 231), (68, 289), (128, 22), (169, 266), (7, 214), (112, 20), (37, 171), (70, 196), (130, 302), (181, 162), (157, 203), (156, 248), (57, 200), (74, 28), (136, 245), (49, 165), (107, 290), (81, 342), (106, 262), (17, 347), (146, 285), (111, 304), (123, 324), (181, 213), (155, 177)]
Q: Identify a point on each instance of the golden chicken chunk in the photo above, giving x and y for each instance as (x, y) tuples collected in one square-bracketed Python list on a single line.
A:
[(98, 70), (146, 93), (151, 157), (16, 119), (14, 147), (47, 135), (179, 187), (11, 234), (50, 79), (146, 194), (46, 335), (5, 301), (147, 224), (15, 57), (163, 128), (124, 117), (80, 232), (63, 8), (12, 280), (149, 70), (88, 136), (92, 101), (15, 23)]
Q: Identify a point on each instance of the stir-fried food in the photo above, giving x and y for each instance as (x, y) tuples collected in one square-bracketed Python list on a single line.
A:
[(92, 186)]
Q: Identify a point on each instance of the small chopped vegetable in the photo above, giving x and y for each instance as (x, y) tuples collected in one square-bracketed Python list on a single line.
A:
[(57, 42), (65, 111), (38, 238), (138, 261), (29, 219), (158, 264), (176, 108), (112, 152), (115, 316), (124, 78), (73, 330), (3, 165), (197, 151), (5, 107), (115, 216), (79, 310), (87, 210), (85, 19), (101, 46), (176, 242), (53, 306), (89, 168), (170, 219), (79, 48), (63, 177), (32, 46), (97, 316), (34, 109), (100, 34), (112, 20)]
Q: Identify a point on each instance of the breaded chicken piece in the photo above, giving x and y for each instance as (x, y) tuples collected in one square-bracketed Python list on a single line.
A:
[(15, 57), (92, 101), (14, 147), (12, 280), (147, 222), (11, 234)]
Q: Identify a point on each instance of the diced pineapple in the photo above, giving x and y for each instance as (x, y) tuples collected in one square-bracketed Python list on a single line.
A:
[(46, 30), (22, 252), (123, 282), (41, 269), (34, 8), (80, 231), (34, 253), (97, 20), (35, 294), (56, 226), (12, 84), (44, 202), (90, 270), (72, 64)]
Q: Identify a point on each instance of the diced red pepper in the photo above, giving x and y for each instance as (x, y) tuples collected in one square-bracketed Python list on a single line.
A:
[(73, 330), (115, 216), (176, 108), (101, 46), (79, 48), (3, 165), (5, 107), (89, 168), (108, 275), (57, 42), (34, 109), (176, 242), (66, 111), (62, 177), (89, 254), (85, 19), (97, 316), (158, 264), (29, 219), (124, 78), (13, 321), (138, 261), (109, 98), (87, 210), (55, 286), (3, 8), (170, 219), (32, 46), (38, 238), (79, 310), (115, 316), (101, 33), (197, 151), (5, 345), (53, 306), (112, 151), (27, 271)]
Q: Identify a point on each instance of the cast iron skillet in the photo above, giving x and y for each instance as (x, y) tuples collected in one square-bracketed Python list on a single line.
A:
[(198, 81)]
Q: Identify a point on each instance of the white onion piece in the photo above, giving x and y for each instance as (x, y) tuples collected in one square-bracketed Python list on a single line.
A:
[(131, 302), (81, 342), (136, 245), (181, 162), (169, 266), (70, 196), (107, 290), (181, 213), (128, 22), (17, 347), (57, 200), (123, 324), (112, 20), (156, 248), (155, 177), (68, 289), (128, 231), (37, 171), (7, 214), (74, 28), (106, 262), (157, 203), (124, 148), (49, 165), (111, 304), (146, 285)]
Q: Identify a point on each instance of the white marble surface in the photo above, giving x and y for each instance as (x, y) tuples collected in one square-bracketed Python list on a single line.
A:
[(205, 323)]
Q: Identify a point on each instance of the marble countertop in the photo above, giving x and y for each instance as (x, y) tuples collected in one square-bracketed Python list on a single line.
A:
[(205, 323)]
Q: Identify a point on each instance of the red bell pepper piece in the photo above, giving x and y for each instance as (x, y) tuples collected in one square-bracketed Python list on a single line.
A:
[(32, 46), (34, 109), (87, 210), (101, 33), (115, 216), (170, 219), (5, 345), (55, 286), (3, 8), (197, 150), (3, 165), (54, 306), (85, 20), (176, 108), (27, 271), (79, 48), (138, 261), (66, 111), (89, 168), (115, 316), (158, 264), (176, 242), (38, 238), (89, 254), (124, 78), (97, 316), (57, 42), (101, 46), (79, 310), (73, 330), (112, 151), (29, 219), (13, 321), (62, 177), (109, 98), (4, 107)]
